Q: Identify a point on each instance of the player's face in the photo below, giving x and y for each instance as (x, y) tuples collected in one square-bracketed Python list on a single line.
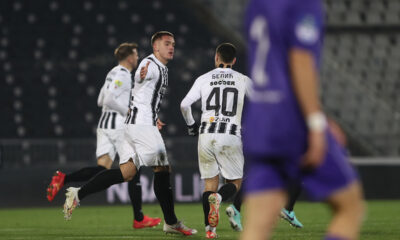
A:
[(166, 47)]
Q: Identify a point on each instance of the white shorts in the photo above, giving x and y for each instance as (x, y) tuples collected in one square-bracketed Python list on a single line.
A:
[(108, 142), (147, 143), (220, 153)]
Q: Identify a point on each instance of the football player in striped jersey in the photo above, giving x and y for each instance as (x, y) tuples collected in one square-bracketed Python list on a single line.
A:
[(142, 143), (114, 100), (221, 91)]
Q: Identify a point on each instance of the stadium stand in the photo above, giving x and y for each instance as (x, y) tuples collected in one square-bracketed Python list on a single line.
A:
[(54, 56)]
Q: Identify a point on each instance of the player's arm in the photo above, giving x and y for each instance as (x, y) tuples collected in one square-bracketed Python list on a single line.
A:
[(100, 98), (305, 41), (186, 108), (305, 83), (120, 84)]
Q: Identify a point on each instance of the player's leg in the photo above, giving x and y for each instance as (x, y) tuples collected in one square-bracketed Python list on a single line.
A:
[(105, 153), (288, 213), (164, 194), (100, 182), (336, 182), (262, 209), (60, 179), (211, 213), (233, 211), (135, 194), (150, 149), (348, 210), (209, 171), (103, 180)]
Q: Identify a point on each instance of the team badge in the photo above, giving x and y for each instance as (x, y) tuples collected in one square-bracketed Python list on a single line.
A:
[(212, 119), (307, 30)]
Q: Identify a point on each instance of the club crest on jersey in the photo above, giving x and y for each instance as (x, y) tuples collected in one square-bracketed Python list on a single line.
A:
[(118, 83), (307, 30)]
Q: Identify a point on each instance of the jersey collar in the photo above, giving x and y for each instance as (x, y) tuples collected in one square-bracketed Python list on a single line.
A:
[(157, 61), (119, 65)]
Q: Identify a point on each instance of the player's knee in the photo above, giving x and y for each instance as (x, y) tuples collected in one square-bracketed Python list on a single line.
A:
[(104, 161), (237, 183), (128, 170)]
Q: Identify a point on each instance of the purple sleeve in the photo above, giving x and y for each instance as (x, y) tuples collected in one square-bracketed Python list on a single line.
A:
[(306, 26)]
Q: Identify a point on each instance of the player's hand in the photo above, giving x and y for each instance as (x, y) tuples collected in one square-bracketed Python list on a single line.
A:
[(160, 124), (316, 150), (193, 130), (337, 132), (143, 71)]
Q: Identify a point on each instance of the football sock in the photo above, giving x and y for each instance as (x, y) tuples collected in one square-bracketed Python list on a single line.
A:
[(163, 191), (135, 194), (83, 174), (294, 193), (227, 191), (329, 237), (237, 202), (206, 206), (100, 182)]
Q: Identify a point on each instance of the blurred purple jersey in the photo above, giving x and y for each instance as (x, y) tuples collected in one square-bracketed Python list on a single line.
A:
[(273, 122), (275, 133)]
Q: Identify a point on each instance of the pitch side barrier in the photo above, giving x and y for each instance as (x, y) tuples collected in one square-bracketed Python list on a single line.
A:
[(27, 167)]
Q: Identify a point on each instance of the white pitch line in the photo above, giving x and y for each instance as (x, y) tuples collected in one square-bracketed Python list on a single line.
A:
[(109, 237)]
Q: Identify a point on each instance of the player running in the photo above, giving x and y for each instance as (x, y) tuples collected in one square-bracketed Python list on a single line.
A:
[(114, 100), (286, 138), (142, 143), (222, 93)]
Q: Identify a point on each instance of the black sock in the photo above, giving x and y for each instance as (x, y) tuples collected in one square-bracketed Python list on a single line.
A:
[(163, 191), (294, 193), (100, 182), (227, 191), (237, 202), (206, 206), (135, 194), (83, 174)]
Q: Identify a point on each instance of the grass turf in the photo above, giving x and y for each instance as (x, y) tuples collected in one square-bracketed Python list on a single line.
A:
[(115, 222)]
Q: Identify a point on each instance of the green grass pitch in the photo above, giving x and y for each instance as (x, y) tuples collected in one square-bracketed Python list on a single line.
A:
[(115, 222)]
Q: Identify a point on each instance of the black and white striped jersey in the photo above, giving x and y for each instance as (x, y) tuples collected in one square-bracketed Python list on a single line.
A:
[(222, 92), (147, 94), (114, 98)]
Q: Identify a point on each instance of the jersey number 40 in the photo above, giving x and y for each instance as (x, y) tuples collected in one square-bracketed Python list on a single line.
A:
[(216, 105)]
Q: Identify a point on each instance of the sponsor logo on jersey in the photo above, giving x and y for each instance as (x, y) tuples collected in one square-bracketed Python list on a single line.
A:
[(118, 83), (219, 119), (222, 82)]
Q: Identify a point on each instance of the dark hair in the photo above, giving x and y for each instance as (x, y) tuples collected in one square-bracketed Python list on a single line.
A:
[(227, 52), (159, 35), (124, 50)]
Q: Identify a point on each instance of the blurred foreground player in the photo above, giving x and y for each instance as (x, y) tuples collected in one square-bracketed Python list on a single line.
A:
[(221, 92), (286, 138), (114, 99)]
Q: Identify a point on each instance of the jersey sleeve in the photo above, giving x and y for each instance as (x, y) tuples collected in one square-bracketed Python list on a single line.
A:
[(193, 95), (120, 83), (305, 25), (249, 85), (100, 98)]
